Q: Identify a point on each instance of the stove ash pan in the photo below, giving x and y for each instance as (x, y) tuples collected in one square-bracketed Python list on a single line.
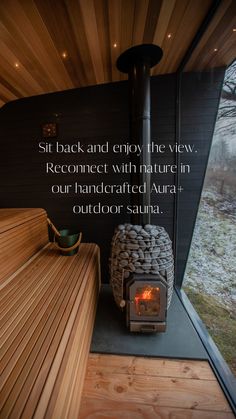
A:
[(142, 275)]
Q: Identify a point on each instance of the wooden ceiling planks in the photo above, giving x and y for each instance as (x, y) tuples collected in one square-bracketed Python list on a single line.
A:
[(11, 79), (9, 52), (140, 17), (182, 28), (210, 30), (10, 74), (226, 56), (2, 102), (10, 88), (190, 24), (11, 59), (73, 43), (57, 22), (28, 43), (219, 49), (126, 29), (114, 15), (50, 59), (6, 60), (151, 20), (91, 29), (6, 95), (85, 61), (219, 29), (161, 31), (102, 18), (168, 44)]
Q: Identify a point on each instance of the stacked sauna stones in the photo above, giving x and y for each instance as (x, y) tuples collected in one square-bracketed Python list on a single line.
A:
[(140, 250)]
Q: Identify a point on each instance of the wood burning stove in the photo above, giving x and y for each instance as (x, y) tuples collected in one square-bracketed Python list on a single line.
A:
[(142, 275), (146, 303), (141, 266)]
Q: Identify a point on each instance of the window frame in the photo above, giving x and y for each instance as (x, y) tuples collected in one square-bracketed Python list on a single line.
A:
[(223, 373)]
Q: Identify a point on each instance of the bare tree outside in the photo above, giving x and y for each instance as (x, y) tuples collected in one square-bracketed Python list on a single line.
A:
[(210, 278), (222, 163)]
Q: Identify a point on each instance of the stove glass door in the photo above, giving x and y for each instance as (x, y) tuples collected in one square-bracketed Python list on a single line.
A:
[(147, 301)]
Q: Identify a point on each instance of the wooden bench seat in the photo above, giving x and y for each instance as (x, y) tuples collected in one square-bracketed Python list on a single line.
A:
[(47, 311)]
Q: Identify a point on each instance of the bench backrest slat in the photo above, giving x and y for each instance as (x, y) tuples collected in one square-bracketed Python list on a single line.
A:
[(23, 232)]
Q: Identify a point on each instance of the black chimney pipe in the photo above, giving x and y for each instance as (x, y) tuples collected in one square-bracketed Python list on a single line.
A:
[(137, 62)]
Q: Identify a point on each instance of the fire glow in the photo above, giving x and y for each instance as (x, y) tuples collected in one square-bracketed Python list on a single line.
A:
[(147, 300)]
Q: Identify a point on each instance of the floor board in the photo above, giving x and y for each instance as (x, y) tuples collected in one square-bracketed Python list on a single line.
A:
[(146, 388)]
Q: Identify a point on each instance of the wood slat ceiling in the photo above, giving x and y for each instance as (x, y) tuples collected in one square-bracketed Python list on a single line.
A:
[(53, 45)]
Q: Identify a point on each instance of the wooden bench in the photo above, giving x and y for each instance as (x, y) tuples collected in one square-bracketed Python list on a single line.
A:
[(47, 312)]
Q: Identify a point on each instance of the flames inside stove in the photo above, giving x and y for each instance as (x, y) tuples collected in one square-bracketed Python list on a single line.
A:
[(147, 301)]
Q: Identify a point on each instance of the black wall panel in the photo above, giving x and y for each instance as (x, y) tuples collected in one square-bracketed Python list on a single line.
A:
[(95, 115)]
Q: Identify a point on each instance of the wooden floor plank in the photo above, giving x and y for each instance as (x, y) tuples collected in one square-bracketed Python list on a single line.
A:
[(136, 387), (98, 365), (92, 408), (160, 391)]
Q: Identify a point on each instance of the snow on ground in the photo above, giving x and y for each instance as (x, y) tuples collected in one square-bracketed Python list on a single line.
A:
[(211, 267)]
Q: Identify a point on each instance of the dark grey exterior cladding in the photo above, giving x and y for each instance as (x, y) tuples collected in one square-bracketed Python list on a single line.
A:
[(199, 101), (97, 114)]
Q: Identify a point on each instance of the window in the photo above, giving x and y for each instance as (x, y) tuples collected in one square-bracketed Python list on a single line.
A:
[(210, 275)]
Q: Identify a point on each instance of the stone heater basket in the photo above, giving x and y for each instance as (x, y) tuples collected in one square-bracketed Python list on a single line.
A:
[(141, 264)]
